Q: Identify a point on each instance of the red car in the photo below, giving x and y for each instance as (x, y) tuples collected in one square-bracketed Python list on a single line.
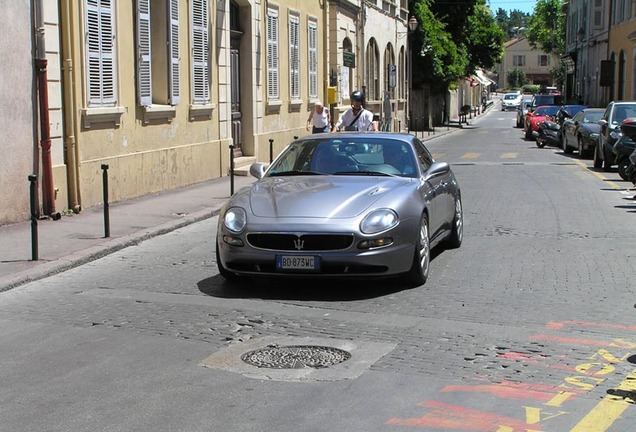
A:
[(534, 118)]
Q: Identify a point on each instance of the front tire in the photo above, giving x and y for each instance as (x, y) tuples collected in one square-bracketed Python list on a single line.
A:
[(566, 148), (623, 166), (422, 256), (598, 162), (607, 162), (457, 231)]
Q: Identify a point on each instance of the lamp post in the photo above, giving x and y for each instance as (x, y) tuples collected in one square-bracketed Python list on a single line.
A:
[(412, 24)]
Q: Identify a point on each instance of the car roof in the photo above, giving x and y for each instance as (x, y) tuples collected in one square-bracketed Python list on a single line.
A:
[(405, 137)]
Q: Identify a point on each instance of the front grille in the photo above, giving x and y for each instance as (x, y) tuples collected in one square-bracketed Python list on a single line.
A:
[(305, 242)]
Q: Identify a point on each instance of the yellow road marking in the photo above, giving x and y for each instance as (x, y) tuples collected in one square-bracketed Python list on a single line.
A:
[(471, 155), (510, 155), (610, 408), (599, 175)]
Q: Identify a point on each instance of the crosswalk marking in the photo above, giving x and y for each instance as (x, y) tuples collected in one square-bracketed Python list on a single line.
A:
[(471, 155)]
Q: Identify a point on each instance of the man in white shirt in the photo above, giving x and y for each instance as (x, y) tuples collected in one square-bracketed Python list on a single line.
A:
[(356, 117)]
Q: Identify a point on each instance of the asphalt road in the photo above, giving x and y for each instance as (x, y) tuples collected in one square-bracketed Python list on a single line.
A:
[(529, 326)]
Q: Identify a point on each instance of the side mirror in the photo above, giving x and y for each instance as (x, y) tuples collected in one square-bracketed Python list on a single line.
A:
[(257, 170), (437, 169)]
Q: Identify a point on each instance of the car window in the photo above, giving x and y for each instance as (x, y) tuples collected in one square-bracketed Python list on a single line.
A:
[(592, 116), (424, 158), (621, 112)]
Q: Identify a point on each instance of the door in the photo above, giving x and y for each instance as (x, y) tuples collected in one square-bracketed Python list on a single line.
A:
[(236, 98)]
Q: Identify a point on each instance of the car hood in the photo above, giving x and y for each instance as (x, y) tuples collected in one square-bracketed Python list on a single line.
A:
[(320, 196)]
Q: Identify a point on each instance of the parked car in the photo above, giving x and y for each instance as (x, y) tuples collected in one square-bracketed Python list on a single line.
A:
[(581, 132), (343, 205), (565, 112), (534, 118), (510, 101), (546, 99), (522, 110), (610, 132)]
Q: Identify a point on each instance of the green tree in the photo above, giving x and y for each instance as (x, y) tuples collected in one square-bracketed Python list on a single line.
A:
[(516, 78), (452, 39), (484, 39), (546, 29)]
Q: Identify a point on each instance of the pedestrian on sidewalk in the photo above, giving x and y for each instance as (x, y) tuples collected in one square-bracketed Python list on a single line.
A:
[(356, 118), (318, 119)]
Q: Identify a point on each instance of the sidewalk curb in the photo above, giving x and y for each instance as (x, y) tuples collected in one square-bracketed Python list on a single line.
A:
[(101, 250)]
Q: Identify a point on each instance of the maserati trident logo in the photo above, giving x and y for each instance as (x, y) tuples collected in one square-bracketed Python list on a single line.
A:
[(299, 243)]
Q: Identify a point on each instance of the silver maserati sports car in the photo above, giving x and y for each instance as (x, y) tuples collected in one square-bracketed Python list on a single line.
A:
[(358, 204)]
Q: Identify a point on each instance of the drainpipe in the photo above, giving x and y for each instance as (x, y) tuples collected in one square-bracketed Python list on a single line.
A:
[(70, 144), (45, 129)]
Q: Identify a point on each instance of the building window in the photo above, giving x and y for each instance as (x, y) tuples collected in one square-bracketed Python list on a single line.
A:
[(294, 57), (200, 58), (100, 53), (313, 59), (544, 60), (158, 69), (519, 60), (272, 55), (373, 71)]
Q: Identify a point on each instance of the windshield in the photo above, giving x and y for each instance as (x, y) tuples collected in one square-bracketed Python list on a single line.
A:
[(510, 96), (590, 116), (546, 111), (364, 155)]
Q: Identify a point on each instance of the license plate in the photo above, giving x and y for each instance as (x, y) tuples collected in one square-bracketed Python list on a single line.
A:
[(298, 262)]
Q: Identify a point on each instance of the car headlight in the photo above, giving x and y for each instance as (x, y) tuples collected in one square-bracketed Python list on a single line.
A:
[(235, 219), (378, 221)]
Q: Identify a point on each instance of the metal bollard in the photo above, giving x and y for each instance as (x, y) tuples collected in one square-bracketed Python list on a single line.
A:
[(105, 195), (231, 169), (33, 192), (271, 150)]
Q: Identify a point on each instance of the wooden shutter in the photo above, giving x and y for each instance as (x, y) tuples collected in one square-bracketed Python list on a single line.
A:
[(144, 64), (313, 60), (173, 35), (200, 64), (100, 53), (294, 57), (272, 54)]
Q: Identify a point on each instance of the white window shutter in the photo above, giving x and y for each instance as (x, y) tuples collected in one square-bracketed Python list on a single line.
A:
[(313, 61), (144, 64), (173, 34), (100, 53), (294, 57), (272, 55), (200, 72)]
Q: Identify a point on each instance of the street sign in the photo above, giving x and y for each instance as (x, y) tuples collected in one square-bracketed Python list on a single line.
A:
[(392, 76), (348, 59)]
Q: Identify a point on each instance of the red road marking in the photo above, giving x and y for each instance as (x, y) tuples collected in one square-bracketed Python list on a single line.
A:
[(510, 390), (560, 325), (445, 416)]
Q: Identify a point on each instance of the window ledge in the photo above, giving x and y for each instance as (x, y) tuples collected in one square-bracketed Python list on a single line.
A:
[(158, 112), (102, 115), (296, 102), (202, 110), (273, 106)]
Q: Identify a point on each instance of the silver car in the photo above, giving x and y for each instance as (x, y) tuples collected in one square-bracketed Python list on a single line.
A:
[(359, 204)]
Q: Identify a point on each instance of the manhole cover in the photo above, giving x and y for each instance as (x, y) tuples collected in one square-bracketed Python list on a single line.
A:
[(295, 357)]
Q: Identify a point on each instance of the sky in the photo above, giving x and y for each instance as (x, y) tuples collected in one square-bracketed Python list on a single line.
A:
[(526, 6)]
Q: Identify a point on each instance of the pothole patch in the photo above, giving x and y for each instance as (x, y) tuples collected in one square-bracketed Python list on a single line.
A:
[(299, 359)]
